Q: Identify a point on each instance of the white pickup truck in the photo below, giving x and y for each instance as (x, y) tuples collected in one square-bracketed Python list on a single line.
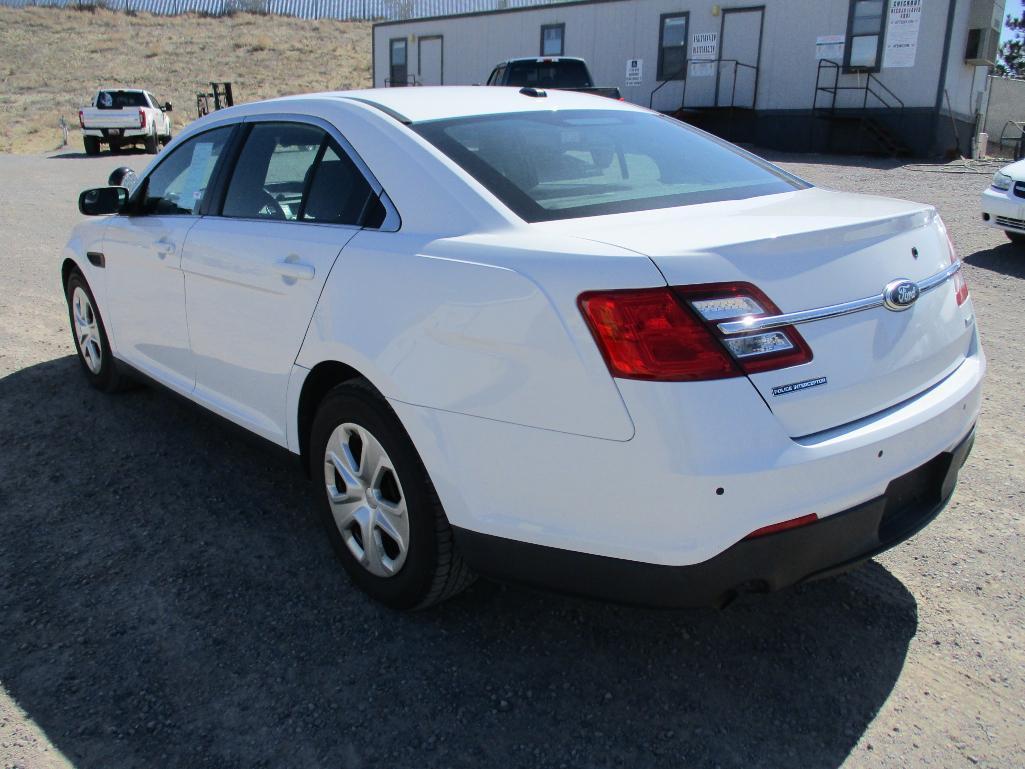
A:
[(122, 117)]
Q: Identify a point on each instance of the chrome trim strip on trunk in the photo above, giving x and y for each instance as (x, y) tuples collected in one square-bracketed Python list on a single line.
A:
[(833, 310)]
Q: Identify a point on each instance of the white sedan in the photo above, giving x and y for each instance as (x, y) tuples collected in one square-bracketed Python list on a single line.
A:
[(1003, 204), (544, 337)]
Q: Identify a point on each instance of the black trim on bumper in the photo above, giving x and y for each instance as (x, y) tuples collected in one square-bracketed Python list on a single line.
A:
[(767, 563)]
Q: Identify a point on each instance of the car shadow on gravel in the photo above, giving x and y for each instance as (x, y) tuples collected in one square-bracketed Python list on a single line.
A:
[(62, 155), (167, 599), (1007, 259)]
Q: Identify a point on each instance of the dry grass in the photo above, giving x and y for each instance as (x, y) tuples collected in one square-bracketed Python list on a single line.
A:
[(52, 60)]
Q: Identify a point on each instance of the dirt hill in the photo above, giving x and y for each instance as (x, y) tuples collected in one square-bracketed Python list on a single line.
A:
[(52, 60)]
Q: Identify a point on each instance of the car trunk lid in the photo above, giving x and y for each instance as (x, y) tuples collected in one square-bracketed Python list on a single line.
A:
[(812, 249)]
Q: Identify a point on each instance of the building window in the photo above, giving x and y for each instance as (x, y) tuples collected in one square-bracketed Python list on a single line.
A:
[(864, 49), (552, 39), (672, 46), (398, 72)]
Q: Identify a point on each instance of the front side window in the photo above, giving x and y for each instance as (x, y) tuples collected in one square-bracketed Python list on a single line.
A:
[(272, 171), (399, 71), (672, 46), (864, 35), (573, 163), (177, 186), (552, 37)]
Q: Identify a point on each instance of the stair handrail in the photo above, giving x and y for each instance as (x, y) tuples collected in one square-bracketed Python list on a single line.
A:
[(718, 62)]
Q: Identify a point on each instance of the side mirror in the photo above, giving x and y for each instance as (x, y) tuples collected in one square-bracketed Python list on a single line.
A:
[(167, 107), (103, 200), (123, 177)]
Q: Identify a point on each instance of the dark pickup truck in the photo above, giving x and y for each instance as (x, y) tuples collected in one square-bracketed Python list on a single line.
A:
[(561, 72)]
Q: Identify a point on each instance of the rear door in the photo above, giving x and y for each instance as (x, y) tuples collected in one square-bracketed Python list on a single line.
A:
[(254, 272)]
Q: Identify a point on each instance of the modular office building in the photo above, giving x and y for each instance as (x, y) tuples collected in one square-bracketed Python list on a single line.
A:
[(895, 76)]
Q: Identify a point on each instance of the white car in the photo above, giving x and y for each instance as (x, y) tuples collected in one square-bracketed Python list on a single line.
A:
[(545, 337), (1003, 203)]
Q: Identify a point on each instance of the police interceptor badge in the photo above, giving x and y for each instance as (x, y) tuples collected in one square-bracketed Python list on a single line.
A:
[(798, 386)]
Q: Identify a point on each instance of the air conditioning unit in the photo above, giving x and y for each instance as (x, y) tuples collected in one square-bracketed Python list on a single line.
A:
[(984, 22)]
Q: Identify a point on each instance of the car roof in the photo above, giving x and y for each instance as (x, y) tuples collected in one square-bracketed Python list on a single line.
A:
[(417, 104), (542, 58)]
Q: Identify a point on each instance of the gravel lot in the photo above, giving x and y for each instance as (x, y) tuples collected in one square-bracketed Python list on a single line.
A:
[(167, 598)]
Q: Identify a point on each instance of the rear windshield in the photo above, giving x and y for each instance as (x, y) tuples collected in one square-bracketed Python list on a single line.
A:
[(573, 163), (120, 99), (550, 74)]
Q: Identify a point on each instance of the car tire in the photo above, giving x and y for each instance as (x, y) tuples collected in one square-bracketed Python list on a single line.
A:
[(1018, 238), (91, 144), (152, 145), (90, 337), (381, 511)]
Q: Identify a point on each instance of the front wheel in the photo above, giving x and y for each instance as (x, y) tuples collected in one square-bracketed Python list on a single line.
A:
[(90, 337), (382, 514), (1018, 238)]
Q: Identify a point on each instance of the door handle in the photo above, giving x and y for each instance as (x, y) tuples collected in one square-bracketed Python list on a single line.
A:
[(165, 248), (295, 270)]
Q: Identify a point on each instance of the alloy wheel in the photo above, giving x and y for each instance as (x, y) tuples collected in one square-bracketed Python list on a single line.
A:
[(366, 499), (87, 330)]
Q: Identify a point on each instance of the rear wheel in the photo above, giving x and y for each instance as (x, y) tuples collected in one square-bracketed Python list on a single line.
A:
[(90, 337), (91, 144), (1018, 238), (380, 508), (152, 146)]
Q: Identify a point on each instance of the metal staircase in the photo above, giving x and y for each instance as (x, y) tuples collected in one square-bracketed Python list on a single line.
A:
[(870, 122)]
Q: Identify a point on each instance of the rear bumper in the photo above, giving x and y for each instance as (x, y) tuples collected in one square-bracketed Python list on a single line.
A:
[(106, 134), (765, 564)]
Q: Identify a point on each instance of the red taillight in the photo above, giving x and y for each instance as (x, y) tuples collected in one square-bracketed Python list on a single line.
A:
[(672, 334), (648, 334), (81, 120), (793, 523), (142, 118), (960, 284)]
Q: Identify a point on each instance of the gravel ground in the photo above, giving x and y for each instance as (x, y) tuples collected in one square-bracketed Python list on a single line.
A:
[(167, 598)]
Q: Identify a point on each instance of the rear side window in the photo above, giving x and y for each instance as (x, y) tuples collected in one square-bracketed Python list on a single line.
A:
[(177, 186), (572, 163), (337, 193), (272, 170), (120, 99), (295, 172)]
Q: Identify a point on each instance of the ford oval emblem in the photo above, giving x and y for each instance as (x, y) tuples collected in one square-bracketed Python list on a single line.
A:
[(900, 294)]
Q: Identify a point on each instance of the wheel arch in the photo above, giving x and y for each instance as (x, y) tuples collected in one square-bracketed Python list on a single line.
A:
[(323, 377), (67, 266)]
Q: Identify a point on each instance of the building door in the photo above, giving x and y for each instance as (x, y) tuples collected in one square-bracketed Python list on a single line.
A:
[(741, 42), (431, 60)]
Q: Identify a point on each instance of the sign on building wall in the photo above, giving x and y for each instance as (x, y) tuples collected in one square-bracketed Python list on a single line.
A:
[(902, 33), (829, 47), (704, 45), (634, 71)]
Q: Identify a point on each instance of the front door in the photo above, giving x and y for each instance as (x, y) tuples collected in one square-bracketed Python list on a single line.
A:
[(431, 59), (740, 50), (146, 286), (254, 273)]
